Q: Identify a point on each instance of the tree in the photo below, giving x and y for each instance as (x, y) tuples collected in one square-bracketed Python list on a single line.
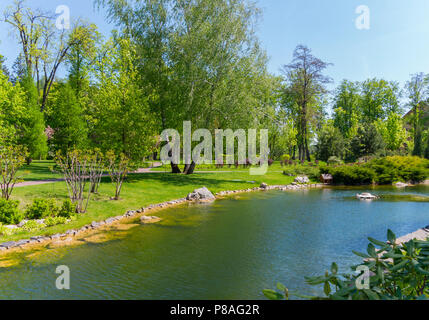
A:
[(306, 85), (417, 89), (74, 166), (118, 167), (124, 122), (346, 108), (330, 143), (367, 141), (427, 146), (44, 47), (65, 116), (379, 99), (418, 143), (12, 159), (198, 61), (392, 131), (33, 136)]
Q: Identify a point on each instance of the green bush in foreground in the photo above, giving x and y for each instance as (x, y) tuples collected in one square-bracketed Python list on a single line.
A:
[(396, 272), (67, 209), (53, 221), (42, 208), (32, 225), (9, 212)]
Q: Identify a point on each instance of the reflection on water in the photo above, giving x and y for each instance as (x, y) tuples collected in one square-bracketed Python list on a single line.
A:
[(231, 249)]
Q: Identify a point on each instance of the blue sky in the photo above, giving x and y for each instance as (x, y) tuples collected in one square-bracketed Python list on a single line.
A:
[(396, 45)]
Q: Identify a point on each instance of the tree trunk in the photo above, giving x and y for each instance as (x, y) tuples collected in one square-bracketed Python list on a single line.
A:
[(175, 168), (189, 169)]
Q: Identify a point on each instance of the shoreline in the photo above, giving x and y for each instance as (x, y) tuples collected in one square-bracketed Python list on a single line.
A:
[(70, 235)]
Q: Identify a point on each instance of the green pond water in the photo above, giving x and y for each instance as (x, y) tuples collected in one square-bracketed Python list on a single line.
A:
[(230, 249)]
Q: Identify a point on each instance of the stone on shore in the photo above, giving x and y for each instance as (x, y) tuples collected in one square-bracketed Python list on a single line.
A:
[(264, 185), (202, 194), (401, 185), (302, 179)]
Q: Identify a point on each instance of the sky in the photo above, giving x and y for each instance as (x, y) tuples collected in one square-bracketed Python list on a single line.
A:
[(395, 46)]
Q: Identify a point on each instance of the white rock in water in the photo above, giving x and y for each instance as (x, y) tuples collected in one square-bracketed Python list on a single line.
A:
[(366, 196)]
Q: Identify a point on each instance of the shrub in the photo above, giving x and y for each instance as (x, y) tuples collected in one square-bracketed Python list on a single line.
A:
[(350, 175), (311, 172), (334, 160), (67, 209), (7, 231), (9, 212), (397, 272), (53, 221), (42, 208), (397, 168), (32, 225)]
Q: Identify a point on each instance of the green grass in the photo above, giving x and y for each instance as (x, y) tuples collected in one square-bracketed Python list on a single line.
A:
[(140, 190), (276, 167), (39, 170)]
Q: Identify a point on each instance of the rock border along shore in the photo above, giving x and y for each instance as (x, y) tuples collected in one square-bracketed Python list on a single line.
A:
[(42, 240)]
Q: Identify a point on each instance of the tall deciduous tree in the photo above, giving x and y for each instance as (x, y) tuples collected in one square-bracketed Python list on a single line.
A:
[(306, 85), (44, 47), (124, 122), (417, 89)]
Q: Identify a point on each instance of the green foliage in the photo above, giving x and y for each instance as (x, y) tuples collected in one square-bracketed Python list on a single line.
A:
[(33, 124), (396, 168), (334, 161), (53, 221), (42, 208), (66, 117), (7, 231), (427, 147), (9, 212), (350, 175), (367, 141), (392, 131), (32, 225), (418, 143), (67, 209), (330, 143), (381, 171), (396, 272), (296, 170)]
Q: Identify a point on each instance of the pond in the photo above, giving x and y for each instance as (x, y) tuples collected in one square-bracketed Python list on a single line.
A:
[(230, 249)]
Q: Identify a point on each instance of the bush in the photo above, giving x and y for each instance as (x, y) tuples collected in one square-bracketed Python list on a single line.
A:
[(382, 171), (6, 231), (32, 225), (53, 221), (67, 209), (397, 168), (397, 272), (311, 172), (9, 212), (334, 160), (350, 175), (42, 208)]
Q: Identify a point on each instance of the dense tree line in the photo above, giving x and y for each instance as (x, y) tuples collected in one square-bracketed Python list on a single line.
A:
[(171, 61)]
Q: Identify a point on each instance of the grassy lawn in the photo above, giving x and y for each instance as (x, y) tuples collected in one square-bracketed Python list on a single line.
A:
[(39, 170), (140, 190), (276, 167)]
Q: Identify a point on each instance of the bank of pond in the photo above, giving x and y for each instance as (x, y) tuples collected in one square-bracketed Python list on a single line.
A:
[(226, 249)]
